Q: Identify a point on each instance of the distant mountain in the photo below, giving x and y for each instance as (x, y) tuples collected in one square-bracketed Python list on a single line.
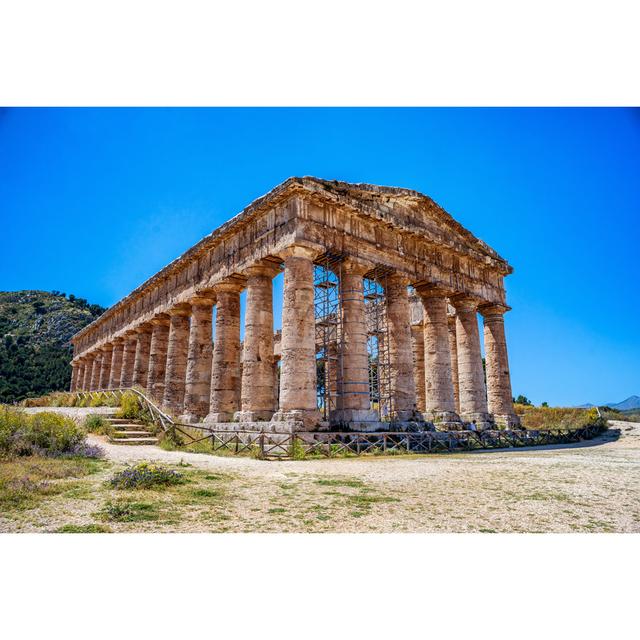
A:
[(631, 403), (35, 332)]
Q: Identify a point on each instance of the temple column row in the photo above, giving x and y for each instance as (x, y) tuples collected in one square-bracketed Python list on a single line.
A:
[(436, 370)]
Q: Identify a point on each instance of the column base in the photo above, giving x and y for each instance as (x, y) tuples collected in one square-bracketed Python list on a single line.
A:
[(507, 420), (408, 416), (310, 418), (190, 418), (481, 420), (353, 415), (220, 416), (253, 416), (437, 417)]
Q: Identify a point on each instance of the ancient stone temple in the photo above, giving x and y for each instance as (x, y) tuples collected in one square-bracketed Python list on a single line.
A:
[(383, 291)]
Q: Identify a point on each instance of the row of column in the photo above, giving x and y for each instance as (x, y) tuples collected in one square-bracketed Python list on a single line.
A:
[(176, 361)]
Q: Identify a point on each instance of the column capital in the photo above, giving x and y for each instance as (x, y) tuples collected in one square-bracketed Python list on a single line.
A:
[(145, 327), (229, 285), (183, 309), (106, 347), (299, 251), (355, 266), (203, 299), (493, 310), (117, 340), (162, 319), (399, 278), (263, 268), (464, 302)]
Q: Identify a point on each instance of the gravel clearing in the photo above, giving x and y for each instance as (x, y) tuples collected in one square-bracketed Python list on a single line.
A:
[(590, 487)]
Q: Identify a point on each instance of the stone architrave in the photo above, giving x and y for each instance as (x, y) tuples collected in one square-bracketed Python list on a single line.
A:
[(176, 368), (439, 399), (198, 377), (500, 400), (225, 365), (298, 400), (257, 393)]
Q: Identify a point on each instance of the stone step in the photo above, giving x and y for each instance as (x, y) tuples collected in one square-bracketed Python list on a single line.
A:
[(133, 441), (124, 421), (129, 425), (130, 433)]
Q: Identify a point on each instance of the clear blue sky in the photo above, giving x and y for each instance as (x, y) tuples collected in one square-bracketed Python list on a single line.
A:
[(94, 201)]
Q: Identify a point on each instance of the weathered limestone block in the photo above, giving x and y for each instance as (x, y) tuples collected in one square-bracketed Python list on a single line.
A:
[(439, 399), (198, 377), (95, 372), (225, 366), (174, 382), (158, 357), (453, 346), (417, 347), (116, 363), (500, 400), (105, 367), (403, 389), (128, 359), (473, 394), (298, 362), (257, 398), (141, 360), (354, 404)]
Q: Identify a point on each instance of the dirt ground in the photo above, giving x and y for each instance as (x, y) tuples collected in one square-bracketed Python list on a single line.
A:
[(592, 487)]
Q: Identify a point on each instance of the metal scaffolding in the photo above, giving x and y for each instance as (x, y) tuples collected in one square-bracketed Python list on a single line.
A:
[(328, 323), (378, 344)]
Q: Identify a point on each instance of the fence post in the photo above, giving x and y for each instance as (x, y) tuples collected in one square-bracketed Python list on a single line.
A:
[(262, 444)]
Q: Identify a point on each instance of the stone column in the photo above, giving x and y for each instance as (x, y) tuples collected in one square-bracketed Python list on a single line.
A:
[(440, 404), (95, 372), (105, 368), (176, 367), (141, 360), (453, 347), (500, 400), (354, 404), (298, 361), (75, 368), (128, 359), (198, 377), (158, 356), (473, 394), (417, 346), (86, 380), (403, 387), (116, 363), (225, 365), (257, 393)]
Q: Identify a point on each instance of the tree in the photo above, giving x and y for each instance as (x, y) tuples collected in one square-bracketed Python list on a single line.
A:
[(523, 400), (544, 404)]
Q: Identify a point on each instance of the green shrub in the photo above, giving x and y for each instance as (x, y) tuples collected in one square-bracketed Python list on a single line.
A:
[(94, 423), (54, 432), (97, 400), (145, 475), (46, 433), (129, 406)]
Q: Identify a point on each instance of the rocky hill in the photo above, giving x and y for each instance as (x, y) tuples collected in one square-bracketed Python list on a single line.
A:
[(35, 332)]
